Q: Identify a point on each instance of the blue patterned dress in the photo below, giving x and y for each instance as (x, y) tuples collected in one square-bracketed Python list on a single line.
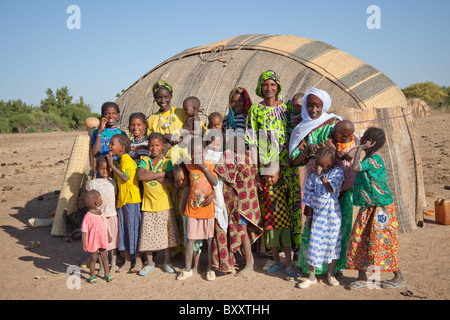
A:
[(325, 237)]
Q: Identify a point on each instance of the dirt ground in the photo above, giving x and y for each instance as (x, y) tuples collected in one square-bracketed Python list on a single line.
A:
[(31, 179)]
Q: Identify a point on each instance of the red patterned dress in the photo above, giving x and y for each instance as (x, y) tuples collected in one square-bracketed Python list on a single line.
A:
[(241, 200)]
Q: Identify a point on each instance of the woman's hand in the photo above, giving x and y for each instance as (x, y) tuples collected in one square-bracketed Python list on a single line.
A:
[(312, 148)]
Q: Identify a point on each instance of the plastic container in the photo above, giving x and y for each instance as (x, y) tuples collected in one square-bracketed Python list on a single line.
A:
[(442, 211)]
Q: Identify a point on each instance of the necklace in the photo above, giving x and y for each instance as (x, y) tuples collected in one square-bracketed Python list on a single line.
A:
[(166, 124)]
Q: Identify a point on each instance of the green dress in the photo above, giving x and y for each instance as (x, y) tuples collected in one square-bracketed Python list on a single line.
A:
[(319, 135), (267, 129)]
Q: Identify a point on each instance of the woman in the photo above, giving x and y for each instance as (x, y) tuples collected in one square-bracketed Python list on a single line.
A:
[(268, 138), (240, 195), (306, 139), (167, 120), (239, 104)]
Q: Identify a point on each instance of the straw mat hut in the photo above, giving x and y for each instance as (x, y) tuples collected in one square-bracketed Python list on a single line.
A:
[(359, 92), (420, 108)]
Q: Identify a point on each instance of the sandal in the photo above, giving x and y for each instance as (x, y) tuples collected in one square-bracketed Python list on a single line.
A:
[(93, 280), (145, 270), (274, 268), (388, 284), (169, 268), (357, 285), (109, 277)]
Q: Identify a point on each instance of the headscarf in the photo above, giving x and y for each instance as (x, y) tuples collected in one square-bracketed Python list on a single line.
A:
[(308, 124), (162, 83), (269, 74), (247, 104)]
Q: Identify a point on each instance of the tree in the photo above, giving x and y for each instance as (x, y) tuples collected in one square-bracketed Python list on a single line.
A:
[(429, 92)]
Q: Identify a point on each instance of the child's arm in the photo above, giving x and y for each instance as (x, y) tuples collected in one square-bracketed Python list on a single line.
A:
[(96, 148), (356, 165), (324, 180), (119, 173), (211, 178), (83, 237)]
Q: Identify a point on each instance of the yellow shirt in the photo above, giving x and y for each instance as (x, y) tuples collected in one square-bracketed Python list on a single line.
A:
[(128, 191), (156, 195), (167, 122)]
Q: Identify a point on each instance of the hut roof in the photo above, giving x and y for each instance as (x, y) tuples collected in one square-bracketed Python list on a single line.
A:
[(359, 92)]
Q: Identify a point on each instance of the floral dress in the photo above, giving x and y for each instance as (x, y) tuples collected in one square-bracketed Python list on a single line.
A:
[(374, 237)]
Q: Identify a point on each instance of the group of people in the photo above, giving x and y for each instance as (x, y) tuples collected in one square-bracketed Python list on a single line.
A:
[(236, 183)]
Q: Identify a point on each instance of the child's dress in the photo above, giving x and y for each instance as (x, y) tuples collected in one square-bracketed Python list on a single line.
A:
[(158, 226), (200, 220), (96, 232), (374, 237), (108, 189), (128, 205), (325, 237)]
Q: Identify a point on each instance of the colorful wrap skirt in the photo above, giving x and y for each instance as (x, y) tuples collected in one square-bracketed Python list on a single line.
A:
[(373, 243)]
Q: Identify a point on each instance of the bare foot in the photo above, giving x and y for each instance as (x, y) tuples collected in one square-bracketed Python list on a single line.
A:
[(137, 266), (125, 268), (246, 271)]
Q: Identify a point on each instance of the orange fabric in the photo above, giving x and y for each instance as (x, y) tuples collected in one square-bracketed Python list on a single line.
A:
[(343, 148), (200, 187)]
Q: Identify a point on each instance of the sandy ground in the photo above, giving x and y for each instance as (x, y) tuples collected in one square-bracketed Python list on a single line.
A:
[(30, 181)]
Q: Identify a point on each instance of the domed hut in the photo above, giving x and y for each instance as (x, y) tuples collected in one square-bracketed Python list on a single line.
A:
[(420, 108), (359, 93)]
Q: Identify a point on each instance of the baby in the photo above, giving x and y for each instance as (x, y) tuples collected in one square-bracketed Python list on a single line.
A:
[(342, 138)]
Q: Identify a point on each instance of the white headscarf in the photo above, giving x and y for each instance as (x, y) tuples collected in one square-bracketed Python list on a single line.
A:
[(308, 124)]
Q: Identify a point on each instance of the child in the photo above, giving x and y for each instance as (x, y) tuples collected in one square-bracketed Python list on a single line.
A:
[(95, 234), (191, 106), (180, 196), (296, 115), (128, 199), (108, 127), (374, 237), (322, 206), (215, 121), (342, 138), (107, 187), (139, 144), (158, 227), (277, 219), (200, 207)]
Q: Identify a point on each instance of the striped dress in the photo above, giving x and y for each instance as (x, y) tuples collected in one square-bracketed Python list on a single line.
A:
[(325, 238)]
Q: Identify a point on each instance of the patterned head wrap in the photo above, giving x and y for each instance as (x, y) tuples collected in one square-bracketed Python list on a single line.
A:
[(161, 83), (247, 104), (269, 74)]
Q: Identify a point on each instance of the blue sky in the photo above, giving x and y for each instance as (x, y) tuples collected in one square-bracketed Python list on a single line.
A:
[(119, 41)]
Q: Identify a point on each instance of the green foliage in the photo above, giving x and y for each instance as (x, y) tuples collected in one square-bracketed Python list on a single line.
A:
[(429, 92), (56, 112)]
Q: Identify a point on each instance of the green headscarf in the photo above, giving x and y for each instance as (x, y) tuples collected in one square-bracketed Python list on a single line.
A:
[(269, 74), (162, 83)]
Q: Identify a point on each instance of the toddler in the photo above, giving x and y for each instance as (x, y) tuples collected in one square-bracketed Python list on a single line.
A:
[(277, 219), (322, 208), (95, 235), (107, 187)]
